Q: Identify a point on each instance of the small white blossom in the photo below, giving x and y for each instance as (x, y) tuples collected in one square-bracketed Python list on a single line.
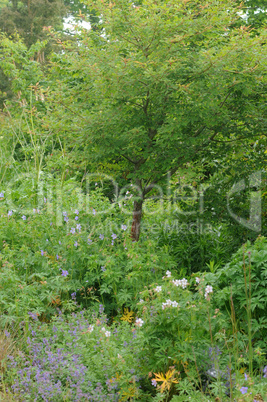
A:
[(90, 328), (141, 301), (180, 282), (169, 303), (197, 280), (168, 274), (139, 322), (107, 333), (158, 289), (208, 290), (124, 227)]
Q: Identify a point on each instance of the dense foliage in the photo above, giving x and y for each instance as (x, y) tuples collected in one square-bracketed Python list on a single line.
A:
[(133, 251)]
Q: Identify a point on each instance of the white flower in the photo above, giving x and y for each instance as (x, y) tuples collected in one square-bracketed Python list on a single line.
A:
[(197, 280), (124, 227), (180, 282), (139, 322), (158, 289), (103, 329), (90, 328), (168, 274), (141, 301), (208, 290), (169, 303), (107, 333)]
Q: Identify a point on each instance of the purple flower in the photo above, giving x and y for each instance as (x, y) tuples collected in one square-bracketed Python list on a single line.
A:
[(94, 211), (101, 308), (64, 213), (101, 237), (45, 200), (9, 213), (64, 273), (42, 252), (33, 315), (1, 195), (265, 372), (76, 212), (78, 227), (76, 218), (59, 242), (76, 244), (72, 230), (57, 257), (7, 334), (114, 236), (73, 295), (66, 219), (124, 227), (89, 241), (243, 390), (24, 217), (103, 269), (246, 377), (154, 382), (112, 242)]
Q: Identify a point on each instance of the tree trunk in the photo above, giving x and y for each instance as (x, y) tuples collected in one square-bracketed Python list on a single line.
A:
[(137, 215)]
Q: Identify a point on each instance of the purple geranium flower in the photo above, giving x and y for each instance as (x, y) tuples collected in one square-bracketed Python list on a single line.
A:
[(64, 273), (244, 390)]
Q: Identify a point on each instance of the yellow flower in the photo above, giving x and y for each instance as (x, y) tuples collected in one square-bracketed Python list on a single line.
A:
[(167, 379), (128, 316)]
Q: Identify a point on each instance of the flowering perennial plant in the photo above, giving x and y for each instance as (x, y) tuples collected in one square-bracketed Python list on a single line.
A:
[(183, 283)]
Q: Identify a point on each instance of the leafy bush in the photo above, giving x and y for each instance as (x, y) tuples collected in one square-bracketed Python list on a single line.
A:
[(68, 247), (244, 281)]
